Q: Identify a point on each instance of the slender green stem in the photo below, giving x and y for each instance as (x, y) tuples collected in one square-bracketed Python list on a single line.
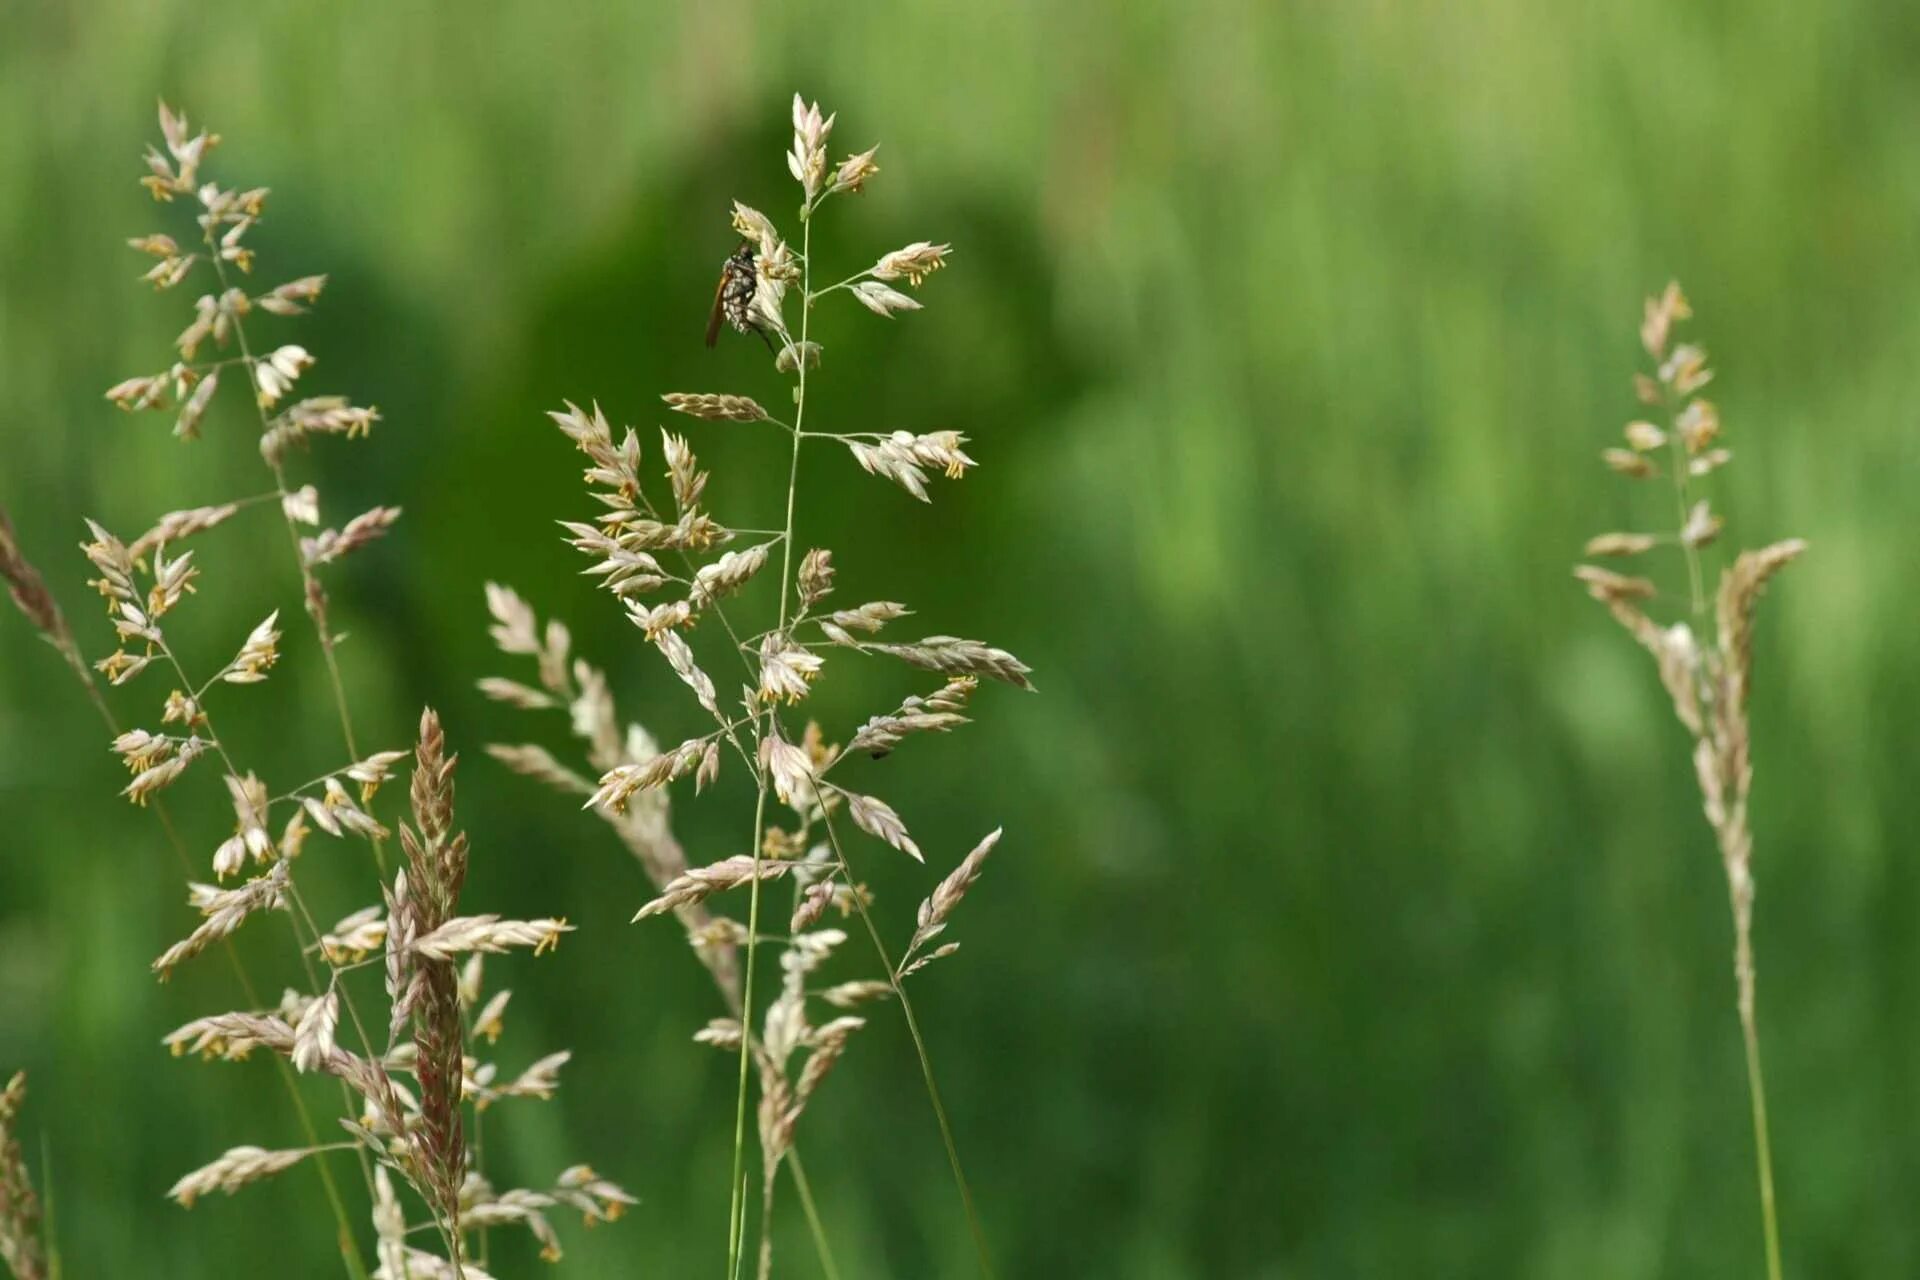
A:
[(737, 1219), (805, 1189), (920, 1048), (479, 1143), (736, 1224), (1762, 1143), (49, 1218), (310, 586)]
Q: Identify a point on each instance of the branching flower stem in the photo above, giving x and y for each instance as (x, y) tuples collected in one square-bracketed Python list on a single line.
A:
[(919, 1048), (349, 1251), (1743, 969), (314, 594), (302, 915)]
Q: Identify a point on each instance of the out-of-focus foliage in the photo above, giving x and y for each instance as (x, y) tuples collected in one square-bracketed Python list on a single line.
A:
[(1355, 916)]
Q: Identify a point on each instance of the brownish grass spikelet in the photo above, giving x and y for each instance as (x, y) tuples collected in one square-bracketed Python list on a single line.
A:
[(436, 870), (20, 1245), (29, 590)]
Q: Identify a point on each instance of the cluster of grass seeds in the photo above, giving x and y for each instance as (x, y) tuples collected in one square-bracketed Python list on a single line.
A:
[(21, 1247), (410, 945), (672, 564), (1705, 655)]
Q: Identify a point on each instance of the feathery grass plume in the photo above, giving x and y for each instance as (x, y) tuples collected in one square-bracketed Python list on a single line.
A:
[(429, 956), (1707, 676), (669, 565), (21, 1247)]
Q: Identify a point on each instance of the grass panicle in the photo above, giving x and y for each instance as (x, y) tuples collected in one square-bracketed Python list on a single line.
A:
[(22, 1246), (1705, 655), (409, 944), (671, 562)]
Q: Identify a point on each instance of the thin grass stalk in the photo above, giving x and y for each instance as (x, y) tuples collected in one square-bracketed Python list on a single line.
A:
[(1762, 1143), (759, 834), (920, 1050), (736, 1225), (1708, 674), (300, 943), (804, 1189), (60, 635), (312, 592)]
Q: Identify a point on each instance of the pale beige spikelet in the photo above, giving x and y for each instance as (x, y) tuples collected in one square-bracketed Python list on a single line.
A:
[(914, 263), (939, 712), (716, 408), (787, 669), (490, 934), (700, 883), (620, 784), (792, 770), (259, 653), (597, 1199), (240, 1167), (846, 995), (1609, 587), (869, 618), (1621, 544), (293, 297), (224, 910), (489, 1021), (537, 762), (948, 893), (539, 1080), (231, 1036), (679, 656), (951, 655), (313, 1034), (726, 575), (404, 1262), (882, 300), (903, 458), (278, 370), (854, 171), (815, 577), (178, 525), (355, 936), (877, 818), (330, 545), (807, 159), (1740, 589)]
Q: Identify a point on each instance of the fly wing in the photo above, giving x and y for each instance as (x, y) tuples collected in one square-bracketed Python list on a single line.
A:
[(713, 317)]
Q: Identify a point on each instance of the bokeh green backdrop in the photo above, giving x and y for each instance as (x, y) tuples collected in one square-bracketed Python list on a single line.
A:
[(1356, 917)]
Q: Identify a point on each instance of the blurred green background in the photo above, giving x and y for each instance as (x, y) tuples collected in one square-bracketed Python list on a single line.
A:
[(1356, 916)]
